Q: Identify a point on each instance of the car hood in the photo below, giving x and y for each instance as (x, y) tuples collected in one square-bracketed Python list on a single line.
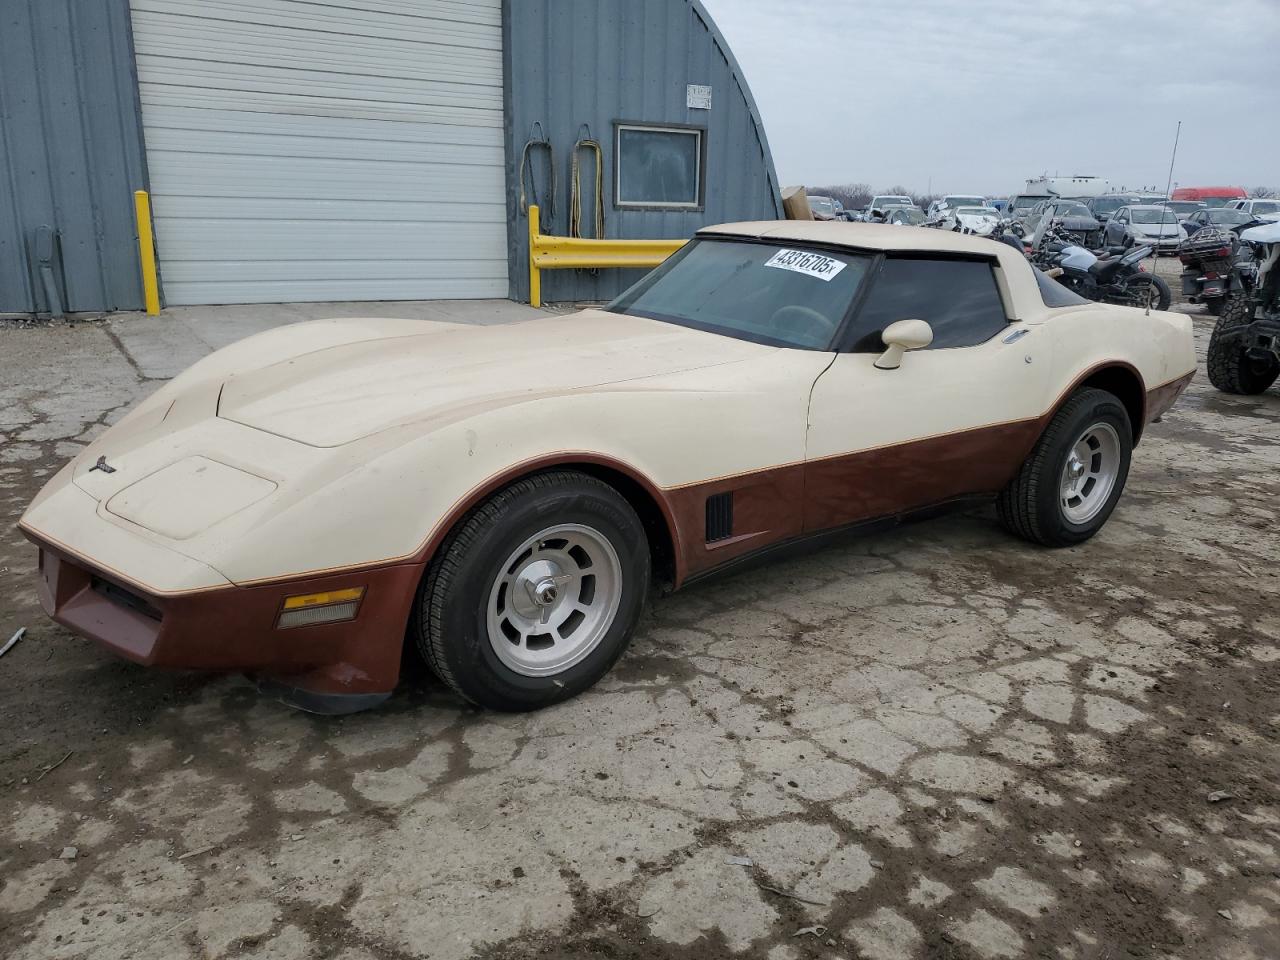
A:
[(340, 393), (982, 223), (1265, 233), (1156, 229)]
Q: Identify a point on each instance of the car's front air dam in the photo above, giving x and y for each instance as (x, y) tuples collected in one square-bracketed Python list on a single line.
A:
[(324, 668)]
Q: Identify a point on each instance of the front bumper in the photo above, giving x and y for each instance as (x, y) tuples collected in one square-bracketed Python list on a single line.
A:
[(325, 668), (1161, 244)]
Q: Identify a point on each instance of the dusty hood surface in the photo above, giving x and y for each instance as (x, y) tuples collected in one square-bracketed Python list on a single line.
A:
[(338, 394), (979, 223)]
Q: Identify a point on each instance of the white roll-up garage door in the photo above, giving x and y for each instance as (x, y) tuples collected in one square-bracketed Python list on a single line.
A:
[(324, 149)]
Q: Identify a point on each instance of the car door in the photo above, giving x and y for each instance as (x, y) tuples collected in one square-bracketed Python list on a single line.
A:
[(956, 418), (1118, 226)]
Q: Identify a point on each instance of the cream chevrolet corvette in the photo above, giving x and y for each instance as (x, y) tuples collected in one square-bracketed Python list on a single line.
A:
[(296, 505)]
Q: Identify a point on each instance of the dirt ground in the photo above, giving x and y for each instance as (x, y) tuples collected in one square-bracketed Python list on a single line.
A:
[(938, 742)]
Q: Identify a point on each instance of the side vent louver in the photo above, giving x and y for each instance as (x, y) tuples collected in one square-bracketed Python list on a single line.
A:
[(719, 516)]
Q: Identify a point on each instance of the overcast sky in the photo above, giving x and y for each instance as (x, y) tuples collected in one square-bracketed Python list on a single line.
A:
[(979, 95)]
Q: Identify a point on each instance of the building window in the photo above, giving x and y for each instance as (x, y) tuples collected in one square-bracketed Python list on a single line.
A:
[(658, 167)]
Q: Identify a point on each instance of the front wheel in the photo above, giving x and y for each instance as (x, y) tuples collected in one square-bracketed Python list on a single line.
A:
[(1231, 369), (1065, 491), (535, 595)]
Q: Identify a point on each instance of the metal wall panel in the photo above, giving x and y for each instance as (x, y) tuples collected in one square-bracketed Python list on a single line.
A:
[(571, 62), (70, 153), (351, 149)]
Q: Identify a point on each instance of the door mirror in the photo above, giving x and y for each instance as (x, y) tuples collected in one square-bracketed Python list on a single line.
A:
[(900, 337)]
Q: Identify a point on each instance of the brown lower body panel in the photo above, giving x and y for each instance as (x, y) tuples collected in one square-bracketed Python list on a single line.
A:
[(892, 480), (783, 504), (330, 667), (786, 503), (1160, 399)]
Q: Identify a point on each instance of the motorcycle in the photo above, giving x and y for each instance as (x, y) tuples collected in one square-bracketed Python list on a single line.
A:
[(1216, 266), (1112, 278), (1244, 349)]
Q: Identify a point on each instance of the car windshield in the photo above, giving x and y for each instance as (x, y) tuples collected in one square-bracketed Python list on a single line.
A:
[(1108, 204), (1183, 206), (1266, 206), (978, 211), (1072, 209), (1217, 201), (905, 215), (789, 295), (964, 201), (1024, 203), (888, 201), (822, 205), (1227, 215), (1153, 215)]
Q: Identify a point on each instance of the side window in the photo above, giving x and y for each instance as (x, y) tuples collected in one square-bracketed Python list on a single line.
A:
[(959, 299)]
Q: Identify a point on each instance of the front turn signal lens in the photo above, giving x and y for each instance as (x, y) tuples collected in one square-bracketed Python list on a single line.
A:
[(330, 606)]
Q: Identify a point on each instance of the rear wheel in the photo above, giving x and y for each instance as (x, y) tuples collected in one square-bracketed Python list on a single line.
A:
[(1065, 491), (1231, 369), (1147, 290), (535, 595)]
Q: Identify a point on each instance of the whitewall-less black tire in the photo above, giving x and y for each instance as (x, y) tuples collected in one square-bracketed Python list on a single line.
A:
[(534, 596), (1066, 489)]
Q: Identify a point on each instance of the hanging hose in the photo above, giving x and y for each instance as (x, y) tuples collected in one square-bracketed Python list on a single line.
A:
[(575, 184), (538, 142)]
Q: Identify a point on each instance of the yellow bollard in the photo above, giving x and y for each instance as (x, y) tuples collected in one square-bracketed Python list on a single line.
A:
[(535, 275), (146, 251)]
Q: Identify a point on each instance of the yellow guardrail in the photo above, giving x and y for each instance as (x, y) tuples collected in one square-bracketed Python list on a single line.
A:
[(582, 253), (146, 251)]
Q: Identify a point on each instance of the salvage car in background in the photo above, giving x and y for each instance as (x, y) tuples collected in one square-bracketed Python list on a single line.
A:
[(879, 206), (293, 505), (939, 208), (1022, 204), (1217, 218), (980, 221), (1153, 226), (825, 208), (1258, 208), (1071, 217), (1103, 207), (904, 216)]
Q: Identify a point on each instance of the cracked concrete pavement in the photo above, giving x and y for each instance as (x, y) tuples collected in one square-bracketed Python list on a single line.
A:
[(938, 741)]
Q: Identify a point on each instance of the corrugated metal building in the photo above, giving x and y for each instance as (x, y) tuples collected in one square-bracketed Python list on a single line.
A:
[(624, 69), (70, 157), (362, 149)]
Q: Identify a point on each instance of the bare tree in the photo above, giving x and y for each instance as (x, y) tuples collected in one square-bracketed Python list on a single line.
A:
[(854, 196), (1264, 193)]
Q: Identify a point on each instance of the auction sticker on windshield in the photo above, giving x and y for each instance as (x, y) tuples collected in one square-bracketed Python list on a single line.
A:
[(810, 264)]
